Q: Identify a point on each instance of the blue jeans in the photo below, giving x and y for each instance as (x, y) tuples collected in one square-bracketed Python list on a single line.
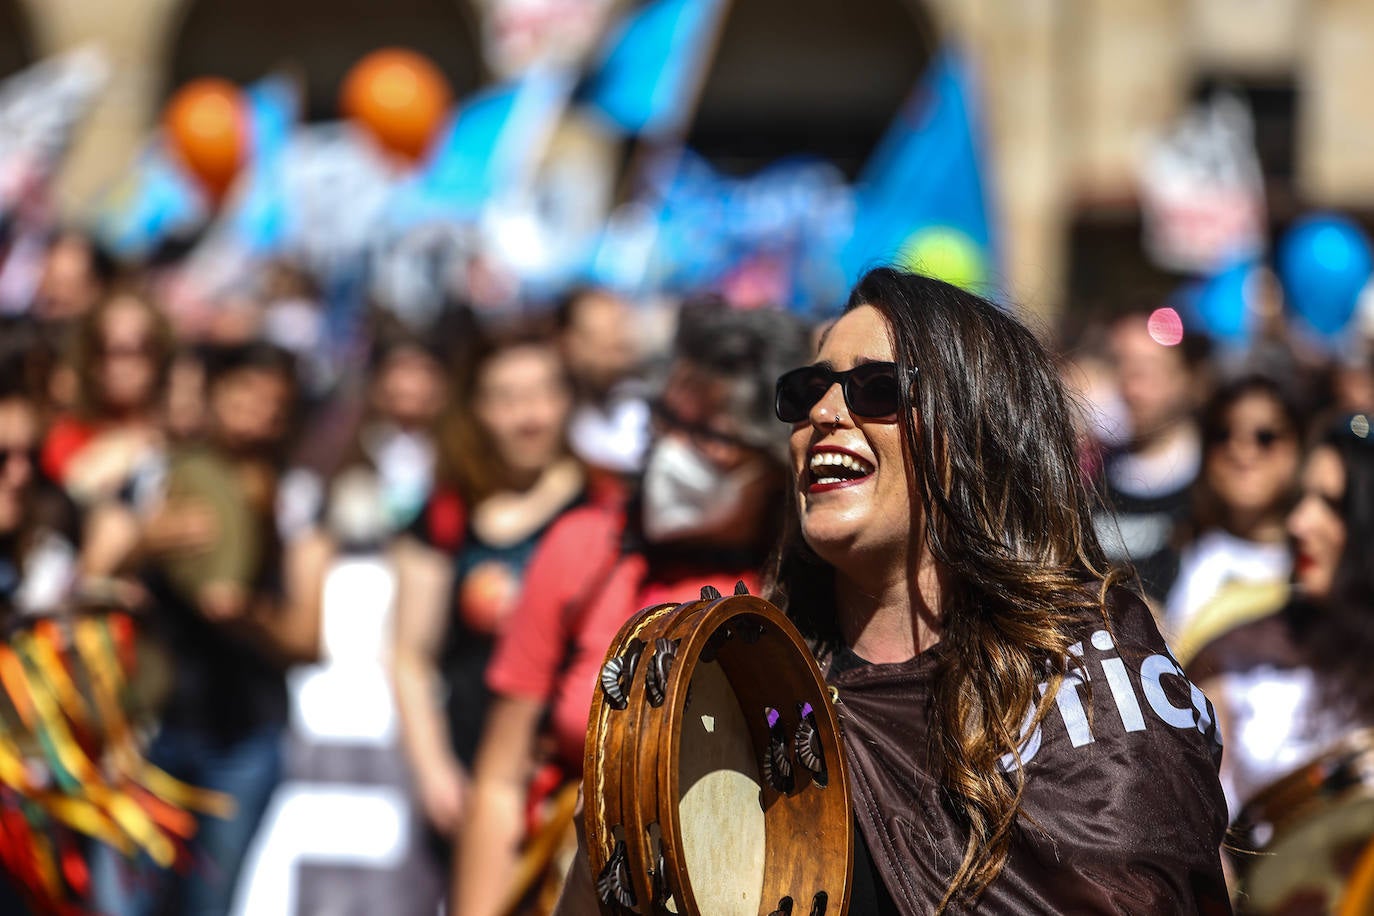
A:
[(247, 769)]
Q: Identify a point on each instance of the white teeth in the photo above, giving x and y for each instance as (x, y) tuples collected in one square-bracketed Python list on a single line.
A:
[(839, 459)]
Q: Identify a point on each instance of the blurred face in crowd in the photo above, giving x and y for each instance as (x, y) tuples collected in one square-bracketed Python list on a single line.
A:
[(69, 286), (1156, 385), (703, 483), (854, 496), (522, 401), (1252, 460), (409, 388), (694, 409), (18, 442), (251, 407), (185, 403), (1316, 524), (1352, 388), (127, 371), (599, 343)]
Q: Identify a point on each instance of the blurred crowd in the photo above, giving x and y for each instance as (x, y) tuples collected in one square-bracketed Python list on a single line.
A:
[(531, 478)]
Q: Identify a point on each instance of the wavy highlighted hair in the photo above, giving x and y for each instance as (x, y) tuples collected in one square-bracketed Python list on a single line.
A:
[(990, 458)]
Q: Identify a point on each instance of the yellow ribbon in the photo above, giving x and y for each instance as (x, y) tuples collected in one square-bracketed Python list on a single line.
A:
[(40, 648)]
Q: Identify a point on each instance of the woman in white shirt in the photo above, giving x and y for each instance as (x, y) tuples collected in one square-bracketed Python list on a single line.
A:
[(1290, 684), (1250, 465)]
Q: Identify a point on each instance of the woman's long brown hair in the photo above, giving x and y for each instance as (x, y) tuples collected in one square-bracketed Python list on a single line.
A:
[(1005, 513)]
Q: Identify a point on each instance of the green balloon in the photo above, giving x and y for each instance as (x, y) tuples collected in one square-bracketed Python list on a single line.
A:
[(945, 254)]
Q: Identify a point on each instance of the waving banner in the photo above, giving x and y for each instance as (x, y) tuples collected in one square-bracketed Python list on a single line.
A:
[(922, 200), (39, 109)]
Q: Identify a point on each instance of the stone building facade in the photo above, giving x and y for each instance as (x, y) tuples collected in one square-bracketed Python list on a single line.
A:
[(1072, 88)]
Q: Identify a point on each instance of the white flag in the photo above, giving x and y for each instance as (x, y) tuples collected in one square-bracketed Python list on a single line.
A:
[(39, 108), (1202, 192)]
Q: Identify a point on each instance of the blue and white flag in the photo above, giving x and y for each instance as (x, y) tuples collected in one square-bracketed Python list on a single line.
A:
[(652, 64), (259, 216), (922, 200), (153, 201), (157, 198)]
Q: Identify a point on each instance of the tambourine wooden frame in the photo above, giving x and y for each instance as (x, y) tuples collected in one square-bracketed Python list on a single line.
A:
[(1345, 768), (1339, 777), (631, 772)]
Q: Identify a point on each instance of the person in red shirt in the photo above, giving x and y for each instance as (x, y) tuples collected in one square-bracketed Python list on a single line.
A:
[(707, 512), (121, 352)]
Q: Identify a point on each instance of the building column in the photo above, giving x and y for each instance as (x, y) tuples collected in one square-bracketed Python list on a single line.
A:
[(1015, 48), (1336, 108), (133, 34)]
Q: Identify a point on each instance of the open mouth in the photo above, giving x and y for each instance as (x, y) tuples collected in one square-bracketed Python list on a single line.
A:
[(831, 470)]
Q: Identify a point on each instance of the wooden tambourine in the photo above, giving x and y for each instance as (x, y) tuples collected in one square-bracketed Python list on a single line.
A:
[(714, 781), (1308, 829)]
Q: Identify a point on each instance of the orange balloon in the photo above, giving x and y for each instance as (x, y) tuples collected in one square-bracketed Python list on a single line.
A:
[(399, 97), (207, 124)]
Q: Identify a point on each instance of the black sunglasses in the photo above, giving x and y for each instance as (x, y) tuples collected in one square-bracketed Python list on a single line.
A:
[(1265, 438), (30, 455), (870, 390)]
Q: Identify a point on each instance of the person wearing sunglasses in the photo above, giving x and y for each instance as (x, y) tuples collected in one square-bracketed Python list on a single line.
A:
[(1289, 685), (1234, 539), (940, 558), (708, 510), (944, 564)]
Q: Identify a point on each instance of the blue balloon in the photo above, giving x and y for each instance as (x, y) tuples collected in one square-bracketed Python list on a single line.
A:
[(1324, 263), (1223, 306)]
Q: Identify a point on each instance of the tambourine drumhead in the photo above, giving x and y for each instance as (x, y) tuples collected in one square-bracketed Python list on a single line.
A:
[(1308, 830), (723, 828), (715, 783)]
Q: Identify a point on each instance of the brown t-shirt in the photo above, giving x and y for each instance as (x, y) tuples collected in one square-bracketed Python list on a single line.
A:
[(1122, 810)]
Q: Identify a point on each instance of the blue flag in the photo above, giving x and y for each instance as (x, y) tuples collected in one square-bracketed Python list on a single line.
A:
[(921, 200), (489, 147), (151, 202), (260, 219), (651, 64), (157, 199)]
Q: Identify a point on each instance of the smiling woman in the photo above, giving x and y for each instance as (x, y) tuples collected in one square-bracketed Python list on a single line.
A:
[(1019, 738), (943, 563)]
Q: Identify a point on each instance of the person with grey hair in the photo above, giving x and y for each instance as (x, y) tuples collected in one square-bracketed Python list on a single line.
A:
[(708, 511)]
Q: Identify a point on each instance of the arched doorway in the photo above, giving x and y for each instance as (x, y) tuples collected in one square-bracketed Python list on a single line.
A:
[(809, 76), (243, 40)]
